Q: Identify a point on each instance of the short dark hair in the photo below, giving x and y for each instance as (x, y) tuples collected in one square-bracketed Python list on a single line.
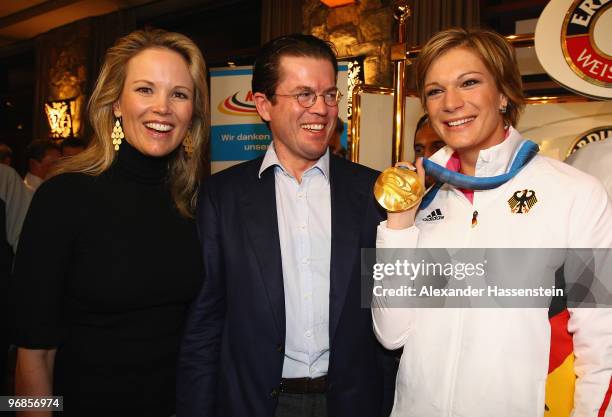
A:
[(5, 151), (266, 69), (73, 143), (422, 121), (339, 126), (38, 149)]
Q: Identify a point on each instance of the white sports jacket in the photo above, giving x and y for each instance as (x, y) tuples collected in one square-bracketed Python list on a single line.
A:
[(494, 362)]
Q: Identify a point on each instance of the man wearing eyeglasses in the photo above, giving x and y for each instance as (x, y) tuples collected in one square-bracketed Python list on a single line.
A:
[(278, 329)]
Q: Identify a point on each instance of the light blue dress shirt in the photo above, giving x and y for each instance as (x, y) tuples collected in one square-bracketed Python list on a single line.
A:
[(304, 228)]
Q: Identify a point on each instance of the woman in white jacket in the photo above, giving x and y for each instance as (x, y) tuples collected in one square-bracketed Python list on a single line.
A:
[(486, 362)]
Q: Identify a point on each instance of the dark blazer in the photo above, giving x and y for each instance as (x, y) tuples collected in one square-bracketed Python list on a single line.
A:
[(232, 354)]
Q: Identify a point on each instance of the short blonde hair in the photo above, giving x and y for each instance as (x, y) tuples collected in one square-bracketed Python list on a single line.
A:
[(494, 51), (184, 171)]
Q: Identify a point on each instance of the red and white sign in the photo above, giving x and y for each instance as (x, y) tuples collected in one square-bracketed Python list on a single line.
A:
[(573, 42)]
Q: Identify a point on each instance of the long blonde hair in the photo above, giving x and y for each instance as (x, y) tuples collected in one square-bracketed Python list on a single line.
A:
[(184, 172)]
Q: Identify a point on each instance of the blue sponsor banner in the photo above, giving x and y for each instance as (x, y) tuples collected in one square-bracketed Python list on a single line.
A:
[(239, 142)]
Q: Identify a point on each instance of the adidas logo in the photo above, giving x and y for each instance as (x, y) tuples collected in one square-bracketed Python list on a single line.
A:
[(434, 215)]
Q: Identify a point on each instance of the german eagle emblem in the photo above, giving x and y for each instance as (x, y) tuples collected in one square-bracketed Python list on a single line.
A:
[(522, 201)]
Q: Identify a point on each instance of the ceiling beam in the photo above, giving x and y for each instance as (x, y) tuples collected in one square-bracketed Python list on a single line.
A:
[(30, 12)]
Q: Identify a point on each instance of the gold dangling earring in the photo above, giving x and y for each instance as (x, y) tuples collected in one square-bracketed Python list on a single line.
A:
[(188, 144), (117, 134)]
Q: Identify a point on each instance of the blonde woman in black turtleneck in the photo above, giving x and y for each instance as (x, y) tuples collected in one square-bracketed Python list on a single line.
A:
[(109, 256)]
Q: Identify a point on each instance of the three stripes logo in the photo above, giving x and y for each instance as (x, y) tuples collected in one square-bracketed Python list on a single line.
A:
[(238, 104), (433, 216)]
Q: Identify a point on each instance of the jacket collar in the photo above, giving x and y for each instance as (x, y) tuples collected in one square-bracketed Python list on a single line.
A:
[(493, 161), (271, 159)]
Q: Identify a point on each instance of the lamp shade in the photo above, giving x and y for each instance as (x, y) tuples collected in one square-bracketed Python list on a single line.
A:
[(337, 3)]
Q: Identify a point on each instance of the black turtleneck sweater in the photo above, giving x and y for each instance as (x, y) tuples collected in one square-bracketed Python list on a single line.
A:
[(105, 270)]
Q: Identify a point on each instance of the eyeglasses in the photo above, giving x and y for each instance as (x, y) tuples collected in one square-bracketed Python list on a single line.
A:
[(308, 99)]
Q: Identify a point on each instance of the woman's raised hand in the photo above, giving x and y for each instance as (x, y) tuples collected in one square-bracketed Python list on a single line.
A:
[(405, 219)]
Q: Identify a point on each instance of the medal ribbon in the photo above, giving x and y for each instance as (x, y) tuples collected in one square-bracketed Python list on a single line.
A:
[(444, 175)]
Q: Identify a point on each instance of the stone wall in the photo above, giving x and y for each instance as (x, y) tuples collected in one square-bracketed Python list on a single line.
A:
[(363, 29)]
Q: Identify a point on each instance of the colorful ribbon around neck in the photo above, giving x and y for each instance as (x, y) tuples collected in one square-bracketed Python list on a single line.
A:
[(444, 175)]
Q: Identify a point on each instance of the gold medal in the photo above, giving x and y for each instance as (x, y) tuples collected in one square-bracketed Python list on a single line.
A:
[(398, 189)]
